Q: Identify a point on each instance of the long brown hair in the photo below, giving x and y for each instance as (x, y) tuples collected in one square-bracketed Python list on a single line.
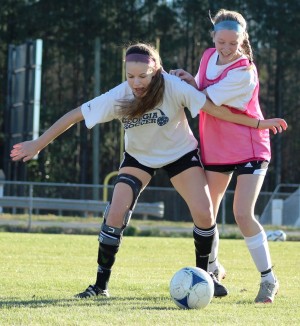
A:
[(136, 107), (224, 14)]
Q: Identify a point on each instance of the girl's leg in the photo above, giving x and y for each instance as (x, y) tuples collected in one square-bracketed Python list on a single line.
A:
[(116, 218), (217, 184), (246, 194), (191, 184)]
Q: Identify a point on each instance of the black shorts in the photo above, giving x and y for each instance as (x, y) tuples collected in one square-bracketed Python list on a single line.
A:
[(259, 167), (185, 162)]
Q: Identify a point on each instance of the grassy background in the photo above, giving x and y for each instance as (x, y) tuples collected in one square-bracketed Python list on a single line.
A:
[(137, 227), (40, 273)]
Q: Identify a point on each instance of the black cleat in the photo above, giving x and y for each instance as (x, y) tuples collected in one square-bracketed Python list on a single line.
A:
[(92, 291), (220, 290)]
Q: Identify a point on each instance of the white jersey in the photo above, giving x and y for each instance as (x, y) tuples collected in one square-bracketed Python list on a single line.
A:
[(236, 89), (160, 136)]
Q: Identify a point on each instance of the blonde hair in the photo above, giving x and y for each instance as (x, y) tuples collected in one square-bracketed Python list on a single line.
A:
[(224, 14), (136, 107)]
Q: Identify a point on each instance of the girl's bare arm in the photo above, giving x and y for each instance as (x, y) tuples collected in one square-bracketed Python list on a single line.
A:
[(28, 149)]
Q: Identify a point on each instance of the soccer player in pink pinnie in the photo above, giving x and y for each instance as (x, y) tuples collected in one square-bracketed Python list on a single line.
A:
[(228, 76)]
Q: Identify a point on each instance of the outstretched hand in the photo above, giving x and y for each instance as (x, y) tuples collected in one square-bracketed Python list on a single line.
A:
[(183, 75), (24, 151), (275, 124)]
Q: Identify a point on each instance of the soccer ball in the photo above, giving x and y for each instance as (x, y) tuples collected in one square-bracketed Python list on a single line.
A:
[(191, 288), (277, 235)]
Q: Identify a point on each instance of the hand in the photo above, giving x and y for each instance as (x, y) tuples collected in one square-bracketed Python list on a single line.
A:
[(275, 124), (24, 151), (183, 75)]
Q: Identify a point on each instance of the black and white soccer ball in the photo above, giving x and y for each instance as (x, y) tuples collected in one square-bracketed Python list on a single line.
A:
[(191, 288), (277, 235)]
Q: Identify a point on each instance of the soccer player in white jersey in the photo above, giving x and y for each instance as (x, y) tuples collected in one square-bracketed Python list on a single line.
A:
[(150, 105)]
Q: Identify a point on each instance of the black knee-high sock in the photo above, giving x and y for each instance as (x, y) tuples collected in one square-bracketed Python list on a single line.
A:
[(106, 259), (203, 239), (103, 276)]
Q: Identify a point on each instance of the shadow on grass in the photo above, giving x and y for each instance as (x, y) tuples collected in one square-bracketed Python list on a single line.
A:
[(141, 303), (131, 303)]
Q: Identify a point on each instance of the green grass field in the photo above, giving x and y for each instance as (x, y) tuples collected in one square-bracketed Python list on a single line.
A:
[(40, 273)]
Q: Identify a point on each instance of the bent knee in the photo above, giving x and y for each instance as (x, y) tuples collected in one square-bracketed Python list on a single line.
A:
[(203, 217), (243, 218)]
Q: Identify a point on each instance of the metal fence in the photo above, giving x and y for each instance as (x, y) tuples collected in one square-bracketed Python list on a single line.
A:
[(175, 209)]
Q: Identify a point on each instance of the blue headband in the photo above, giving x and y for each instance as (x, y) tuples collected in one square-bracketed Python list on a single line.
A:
[(230, 25)]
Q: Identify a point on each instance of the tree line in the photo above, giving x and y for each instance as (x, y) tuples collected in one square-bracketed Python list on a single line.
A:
[(181, 31)]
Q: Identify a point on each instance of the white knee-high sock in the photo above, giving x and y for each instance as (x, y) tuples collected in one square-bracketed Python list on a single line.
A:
[(213, 257), (259, 250)]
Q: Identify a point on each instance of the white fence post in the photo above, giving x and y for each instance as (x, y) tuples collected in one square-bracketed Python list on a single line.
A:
[(2, 178), (277, 207)]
